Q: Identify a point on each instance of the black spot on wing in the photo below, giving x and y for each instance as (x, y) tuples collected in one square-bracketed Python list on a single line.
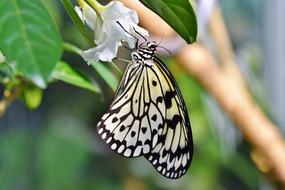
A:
[(159, 99), (154, 132), (148, 141), (154, 117), (171, 157), (164, 152), (168, 98), (144, 130), (114, 120), (122, 128), (174, 121), (124, 117)]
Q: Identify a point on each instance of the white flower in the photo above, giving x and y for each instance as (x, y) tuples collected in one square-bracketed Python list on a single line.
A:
[(109, 33), (88, 15)]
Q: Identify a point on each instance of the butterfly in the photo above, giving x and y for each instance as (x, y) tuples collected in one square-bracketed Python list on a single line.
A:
[(148, 116)]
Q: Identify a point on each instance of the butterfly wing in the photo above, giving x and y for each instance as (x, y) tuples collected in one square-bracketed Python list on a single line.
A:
[(148, 117), (173, 152), (134, 121)]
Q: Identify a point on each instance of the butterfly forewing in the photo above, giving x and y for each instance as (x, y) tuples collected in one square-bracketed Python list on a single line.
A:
[(135, 119)]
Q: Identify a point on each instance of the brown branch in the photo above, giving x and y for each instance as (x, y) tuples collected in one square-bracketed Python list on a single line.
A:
[(10, 96), (227, 86), (219, 33), (268, 158), (268, 147)]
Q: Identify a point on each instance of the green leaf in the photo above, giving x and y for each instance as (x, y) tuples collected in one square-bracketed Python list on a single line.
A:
[(66, 73), (106, 74), (178, 14), (7, 70), (29, 38), (32, 96), (77, 21)]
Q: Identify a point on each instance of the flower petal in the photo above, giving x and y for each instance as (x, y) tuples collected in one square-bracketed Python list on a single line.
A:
[(87, 15)]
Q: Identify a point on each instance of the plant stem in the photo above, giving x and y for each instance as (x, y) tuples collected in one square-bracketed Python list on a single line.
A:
[(71, 48), (97, 7)]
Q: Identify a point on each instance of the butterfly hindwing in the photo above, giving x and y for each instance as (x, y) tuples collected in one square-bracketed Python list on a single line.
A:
[(173, 152)]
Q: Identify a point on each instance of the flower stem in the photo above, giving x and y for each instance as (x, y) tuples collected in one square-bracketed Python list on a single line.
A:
[(97, 7), (72, 48)]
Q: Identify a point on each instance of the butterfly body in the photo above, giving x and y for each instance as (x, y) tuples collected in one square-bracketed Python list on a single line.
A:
[(148, 116)]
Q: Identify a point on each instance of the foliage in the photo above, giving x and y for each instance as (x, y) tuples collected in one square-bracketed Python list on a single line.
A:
[(178, 14), (25, 27)]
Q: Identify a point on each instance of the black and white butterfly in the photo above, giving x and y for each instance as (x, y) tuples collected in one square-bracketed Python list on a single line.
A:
[(148, 116)]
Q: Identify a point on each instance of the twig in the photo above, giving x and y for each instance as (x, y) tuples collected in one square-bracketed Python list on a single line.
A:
[(226, 54), (10, 96)]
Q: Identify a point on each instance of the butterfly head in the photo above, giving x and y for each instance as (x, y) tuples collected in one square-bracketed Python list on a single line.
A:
[(147, 49), (152, 45)]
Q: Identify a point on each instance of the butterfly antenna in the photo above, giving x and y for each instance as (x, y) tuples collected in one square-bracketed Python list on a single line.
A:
[(168, 51), (126, 30), (137, 40), (158, 45), (160, 39), (140, 34)]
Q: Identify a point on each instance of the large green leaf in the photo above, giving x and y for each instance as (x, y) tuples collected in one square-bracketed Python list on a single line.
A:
[(66, 73), (29, 38), (178, 14)]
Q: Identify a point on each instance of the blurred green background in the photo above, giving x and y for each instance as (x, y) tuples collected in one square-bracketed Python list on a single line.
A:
[(56, 146)]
